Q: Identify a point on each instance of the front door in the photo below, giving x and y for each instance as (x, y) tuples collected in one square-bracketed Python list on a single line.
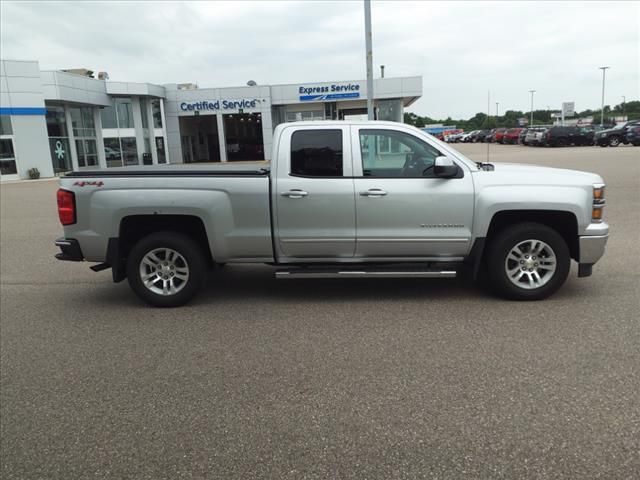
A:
[(402, 209), (313, 195)]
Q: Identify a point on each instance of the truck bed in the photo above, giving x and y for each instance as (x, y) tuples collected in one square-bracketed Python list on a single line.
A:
[(229, 200)]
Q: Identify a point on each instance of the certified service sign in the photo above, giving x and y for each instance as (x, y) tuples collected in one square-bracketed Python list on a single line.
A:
[(214, 105)]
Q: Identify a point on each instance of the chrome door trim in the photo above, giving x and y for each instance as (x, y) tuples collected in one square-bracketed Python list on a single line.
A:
[(413, 240), (311, 240)]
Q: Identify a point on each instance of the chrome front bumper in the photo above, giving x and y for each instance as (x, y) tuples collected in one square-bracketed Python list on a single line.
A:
[(593, 244)]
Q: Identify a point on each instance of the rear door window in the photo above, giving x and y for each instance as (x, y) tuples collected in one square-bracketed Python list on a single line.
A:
[(317, 153)]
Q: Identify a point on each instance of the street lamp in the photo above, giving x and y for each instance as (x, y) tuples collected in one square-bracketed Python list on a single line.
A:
[(624, 104), (532, 92), (604, 69), (369, 51), (497, 103)]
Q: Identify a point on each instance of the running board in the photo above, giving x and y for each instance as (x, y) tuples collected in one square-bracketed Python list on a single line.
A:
[(317, 273)]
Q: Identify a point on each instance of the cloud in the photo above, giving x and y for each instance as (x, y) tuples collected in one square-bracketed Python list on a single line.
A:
[(462, 49)]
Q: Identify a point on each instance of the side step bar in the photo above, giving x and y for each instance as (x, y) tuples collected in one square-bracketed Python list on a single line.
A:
[(314, 273)]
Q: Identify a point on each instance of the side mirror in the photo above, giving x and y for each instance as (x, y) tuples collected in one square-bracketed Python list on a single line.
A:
[(444, 167)]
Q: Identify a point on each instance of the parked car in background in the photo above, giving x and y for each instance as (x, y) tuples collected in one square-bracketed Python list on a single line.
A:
[(559, 136), (454, 137), (498, 135), (511, 136), (633, 136), (534, 135), (615, 136), (465, 138), (488, 138), (479, 136), (522, 137)]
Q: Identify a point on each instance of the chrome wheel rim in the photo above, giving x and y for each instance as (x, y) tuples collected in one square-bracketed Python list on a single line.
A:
[(614, 142), (530, 264), (164, 271)]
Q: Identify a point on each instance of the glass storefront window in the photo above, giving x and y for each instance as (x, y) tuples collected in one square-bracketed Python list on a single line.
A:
[(91, 152), (143, 113), (305, 116), (125, 113), (108, 115), (162, 158), (56, 122), (5, 125), (390, 110), (113, 152), (58, 139), (87, 153), (129, 150), (7, 156), (60, 154), (157, 113), (87, 118), (82, 122)]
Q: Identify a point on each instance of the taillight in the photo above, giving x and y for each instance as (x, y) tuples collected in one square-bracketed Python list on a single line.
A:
[(66, 207)]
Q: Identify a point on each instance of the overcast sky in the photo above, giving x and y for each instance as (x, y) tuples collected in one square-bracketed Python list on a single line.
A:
[(461, 49)]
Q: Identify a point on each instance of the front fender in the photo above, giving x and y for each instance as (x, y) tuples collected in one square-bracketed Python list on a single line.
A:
[(493, 199)]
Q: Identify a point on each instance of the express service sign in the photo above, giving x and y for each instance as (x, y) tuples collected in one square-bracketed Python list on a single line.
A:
[(335, 91)]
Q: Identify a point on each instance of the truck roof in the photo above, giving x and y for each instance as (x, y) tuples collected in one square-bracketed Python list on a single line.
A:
[(340, 123)]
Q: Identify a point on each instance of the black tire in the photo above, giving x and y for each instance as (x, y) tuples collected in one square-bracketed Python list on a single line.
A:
[(614, 141), (503, 242), (193, 256)]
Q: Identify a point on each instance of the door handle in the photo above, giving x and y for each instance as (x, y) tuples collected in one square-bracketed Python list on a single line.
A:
[(373, 192), (295, 193)]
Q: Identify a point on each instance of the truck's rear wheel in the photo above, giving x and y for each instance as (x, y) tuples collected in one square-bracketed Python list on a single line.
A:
[(166, 269), (528, 261)]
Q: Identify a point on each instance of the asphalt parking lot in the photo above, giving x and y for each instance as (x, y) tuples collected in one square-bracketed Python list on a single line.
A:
[(261, 378)]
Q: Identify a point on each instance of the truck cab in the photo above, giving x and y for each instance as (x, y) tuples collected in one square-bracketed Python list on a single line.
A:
[(346, 192)]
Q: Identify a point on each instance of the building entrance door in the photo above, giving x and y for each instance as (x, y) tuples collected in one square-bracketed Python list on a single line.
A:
[(243, 134), (199, 136)]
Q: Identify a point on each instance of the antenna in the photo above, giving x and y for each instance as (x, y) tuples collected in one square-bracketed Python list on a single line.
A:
[(488, 113)]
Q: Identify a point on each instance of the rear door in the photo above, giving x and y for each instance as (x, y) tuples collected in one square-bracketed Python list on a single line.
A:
[(402, 210), (313, 194)]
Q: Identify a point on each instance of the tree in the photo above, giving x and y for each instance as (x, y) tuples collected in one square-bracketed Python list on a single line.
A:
[(510, 117)]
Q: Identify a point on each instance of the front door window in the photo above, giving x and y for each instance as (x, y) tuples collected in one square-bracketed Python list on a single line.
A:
[(390, 153)]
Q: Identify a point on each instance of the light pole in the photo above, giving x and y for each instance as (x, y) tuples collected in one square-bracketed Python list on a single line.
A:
[(604, 69), (369, 47), (624, 104), (532, 92), (497, 103)]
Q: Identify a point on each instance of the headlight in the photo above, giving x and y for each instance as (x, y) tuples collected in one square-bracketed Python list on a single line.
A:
[(598, 203)]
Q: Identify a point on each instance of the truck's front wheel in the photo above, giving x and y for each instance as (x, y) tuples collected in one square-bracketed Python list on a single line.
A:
[(166, 269), (528, 261)]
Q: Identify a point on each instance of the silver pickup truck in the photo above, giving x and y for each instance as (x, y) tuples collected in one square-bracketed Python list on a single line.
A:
[(339, 199)]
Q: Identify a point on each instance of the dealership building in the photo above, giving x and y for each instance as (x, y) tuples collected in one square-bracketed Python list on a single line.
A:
[(57, 121)]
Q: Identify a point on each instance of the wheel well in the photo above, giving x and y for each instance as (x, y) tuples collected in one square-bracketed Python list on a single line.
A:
[(565, 223), (135, 227)]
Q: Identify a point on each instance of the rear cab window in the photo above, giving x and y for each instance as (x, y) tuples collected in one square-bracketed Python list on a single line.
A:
[(317, 153)]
